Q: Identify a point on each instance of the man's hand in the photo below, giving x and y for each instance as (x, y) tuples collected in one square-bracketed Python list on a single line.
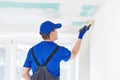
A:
[(83, 30)]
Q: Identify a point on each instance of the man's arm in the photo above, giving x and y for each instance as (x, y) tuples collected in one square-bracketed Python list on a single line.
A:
[(75, 49), (25, 73), (77, 45)]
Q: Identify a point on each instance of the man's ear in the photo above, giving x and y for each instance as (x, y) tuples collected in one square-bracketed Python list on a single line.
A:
[(51, 34)]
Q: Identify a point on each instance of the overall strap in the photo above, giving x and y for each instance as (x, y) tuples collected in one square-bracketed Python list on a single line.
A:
[(51, 55), (48, 59), (35, 59)]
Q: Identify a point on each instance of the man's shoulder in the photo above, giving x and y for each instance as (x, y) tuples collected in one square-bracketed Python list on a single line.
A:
[(37, 45), (63, 48)]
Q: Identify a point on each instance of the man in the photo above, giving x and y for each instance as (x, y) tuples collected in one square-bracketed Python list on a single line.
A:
[(48, 31)]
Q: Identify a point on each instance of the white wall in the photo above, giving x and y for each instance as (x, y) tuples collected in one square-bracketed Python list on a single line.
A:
[(105, 42)]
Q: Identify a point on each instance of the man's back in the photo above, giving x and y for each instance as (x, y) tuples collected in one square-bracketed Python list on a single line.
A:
[(42, 51), (42, 72)]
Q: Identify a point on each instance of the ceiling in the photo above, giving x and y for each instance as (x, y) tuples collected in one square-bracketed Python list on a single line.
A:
[(27, 15)]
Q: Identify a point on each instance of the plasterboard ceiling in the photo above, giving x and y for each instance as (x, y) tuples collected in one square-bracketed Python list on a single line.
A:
[(27, 15)]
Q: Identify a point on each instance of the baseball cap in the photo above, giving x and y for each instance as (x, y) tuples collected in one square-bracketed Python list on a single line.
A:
[(48, 26)]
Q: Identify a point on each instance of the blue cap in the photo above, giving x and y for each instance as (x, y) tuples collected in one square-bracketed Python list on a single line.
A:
[(48, 26)]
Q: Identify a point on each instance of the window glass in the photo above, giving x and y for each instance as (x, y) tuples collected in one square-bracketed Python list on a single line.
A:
[(2, 62), (22, 50)]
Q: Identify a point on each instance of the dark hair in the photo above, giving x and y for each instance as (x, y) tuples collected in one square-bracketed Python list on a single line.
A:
[(47, 36)]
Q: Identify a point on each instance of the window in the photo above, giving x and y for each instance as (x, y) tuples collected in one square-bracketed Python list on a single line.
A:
[(2, 62), (22, 50)]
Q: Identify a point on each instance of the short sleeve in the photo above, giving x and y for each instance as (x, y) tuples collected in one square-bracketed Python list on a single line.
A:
[(66, 54), (27, 62)]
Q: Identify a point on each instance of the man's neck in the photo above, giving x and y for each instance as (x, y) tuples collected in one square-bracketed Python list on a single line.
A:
[(49, 40)]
